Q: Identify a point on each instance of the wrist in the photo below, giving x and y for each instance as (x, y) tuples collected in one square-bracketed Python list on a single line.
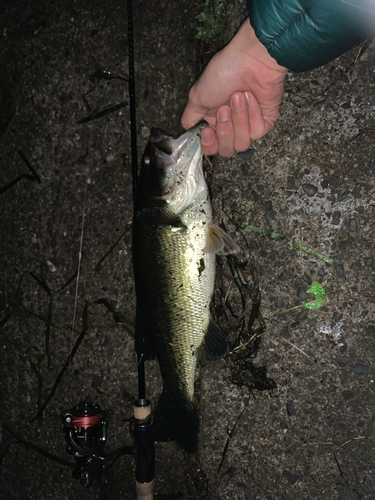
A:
[(246, 42)]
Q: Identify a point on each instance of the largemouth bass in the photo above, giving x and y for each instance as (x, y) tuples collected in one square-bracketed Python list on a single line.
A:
[(174, 245)]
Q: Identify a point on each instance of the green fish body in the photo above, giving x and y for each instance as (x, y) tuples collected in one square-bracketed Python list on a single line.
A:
[(174, 245)]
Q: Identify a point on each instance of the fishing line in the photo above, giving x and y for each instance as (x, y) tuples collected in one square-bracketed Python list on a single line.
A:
[(78, 275)]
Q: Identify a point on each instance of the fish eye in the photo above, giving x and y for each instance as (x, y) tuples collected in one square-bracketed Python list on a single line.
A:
[(147, 160)]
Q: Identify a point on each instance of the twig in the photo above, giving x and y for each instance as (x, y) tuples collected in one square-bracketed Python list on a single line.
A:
[(298, 349), (321, 442), (112, 247), (230, 433), (347, 442), (33, 177), (104, 112)]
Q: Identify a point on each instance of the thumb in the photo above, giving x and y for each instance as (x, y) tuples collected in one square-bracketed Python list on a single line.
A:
[(192, 114)]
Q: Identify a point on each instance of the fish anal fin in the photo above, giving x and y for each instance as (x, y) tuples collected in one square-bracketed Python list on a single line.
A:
[(218, 241)]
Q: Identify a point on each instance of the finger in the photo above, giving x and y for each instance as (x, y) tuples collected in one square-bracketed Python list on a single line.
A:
[(259, 125), (194, 111), (240, 121), (209, 142), (224, 131)]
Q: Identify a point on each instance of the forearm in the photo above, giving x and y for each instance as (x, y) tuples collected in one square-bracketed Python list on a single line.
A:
[(305, 34)]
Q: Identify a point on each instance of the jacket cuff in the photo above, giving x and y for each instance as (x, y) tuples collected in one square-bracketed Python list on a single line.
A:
[(305, 34)]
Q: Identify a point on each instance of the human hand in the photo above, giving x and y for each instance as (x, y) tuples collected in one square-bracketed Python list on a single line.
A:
[(239, 94)]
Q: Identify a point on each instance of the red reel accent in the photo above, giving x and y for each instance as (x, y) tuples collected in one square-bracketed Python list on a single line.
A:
[(87, 421)]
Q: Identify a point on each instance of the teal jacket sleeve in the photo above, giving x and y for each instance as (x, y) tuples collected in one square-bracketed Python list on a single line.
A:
[(305, 34)]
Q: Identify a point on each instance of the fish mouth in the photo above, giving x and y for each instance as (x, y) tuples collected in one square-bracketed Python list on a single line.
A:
[(176, 165), (189, 142), (184, 146)]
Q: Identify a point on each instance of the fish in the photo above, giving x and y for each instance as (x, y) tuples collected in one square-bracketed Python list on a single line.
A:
[(174, 247)]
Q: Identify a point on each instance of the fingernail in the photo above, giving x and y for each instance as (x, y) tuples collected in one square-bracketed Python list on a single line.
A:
[(224, 113), (204, 140), (248, 98), (236, 103)]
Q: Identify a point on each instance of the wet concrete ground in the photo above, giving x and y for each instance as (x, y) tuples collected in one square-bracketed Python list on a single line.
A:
[(311, 179)]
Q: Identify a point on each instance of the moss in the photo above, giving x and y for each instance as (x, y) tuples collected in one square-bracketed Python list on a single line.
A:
[(212, 18)]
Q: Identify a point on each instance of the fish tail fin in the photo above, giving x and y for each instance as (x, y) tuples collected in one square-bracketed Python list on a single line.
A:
[(173, 422)]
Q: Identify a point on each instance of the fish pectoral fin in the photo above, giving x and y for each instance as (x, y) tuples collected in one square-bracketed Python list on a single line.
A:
[(160, 216), (215, 344), (218, 241)]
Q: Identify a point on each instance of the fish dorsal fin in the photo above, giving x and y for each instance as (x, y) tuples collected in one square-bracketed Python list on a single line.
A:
[(218, 241), (215, 343), (160, 216)]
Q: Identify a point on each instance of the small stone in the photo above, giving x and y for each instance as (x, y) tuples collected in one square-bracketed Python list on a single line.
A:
[(344, 377), (370, 262), (343, 195), (311, 411), (290, 408), (301, 293), (347, 395), (352, 225), (290, 184), (279, 303), (51, 266), (360, 368), (246, 155), (270, 215), (336, 218), (345, 243), (343, 348), (340, 270), (292, 478), (341, 361), (335, 184), (310, 189), (110, 158), (245, 168), (145, 131), (356, 266)]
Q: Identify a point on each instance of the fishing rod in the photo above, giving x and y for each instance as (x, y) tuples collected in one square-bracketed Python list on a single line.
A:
[(85, 425)]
